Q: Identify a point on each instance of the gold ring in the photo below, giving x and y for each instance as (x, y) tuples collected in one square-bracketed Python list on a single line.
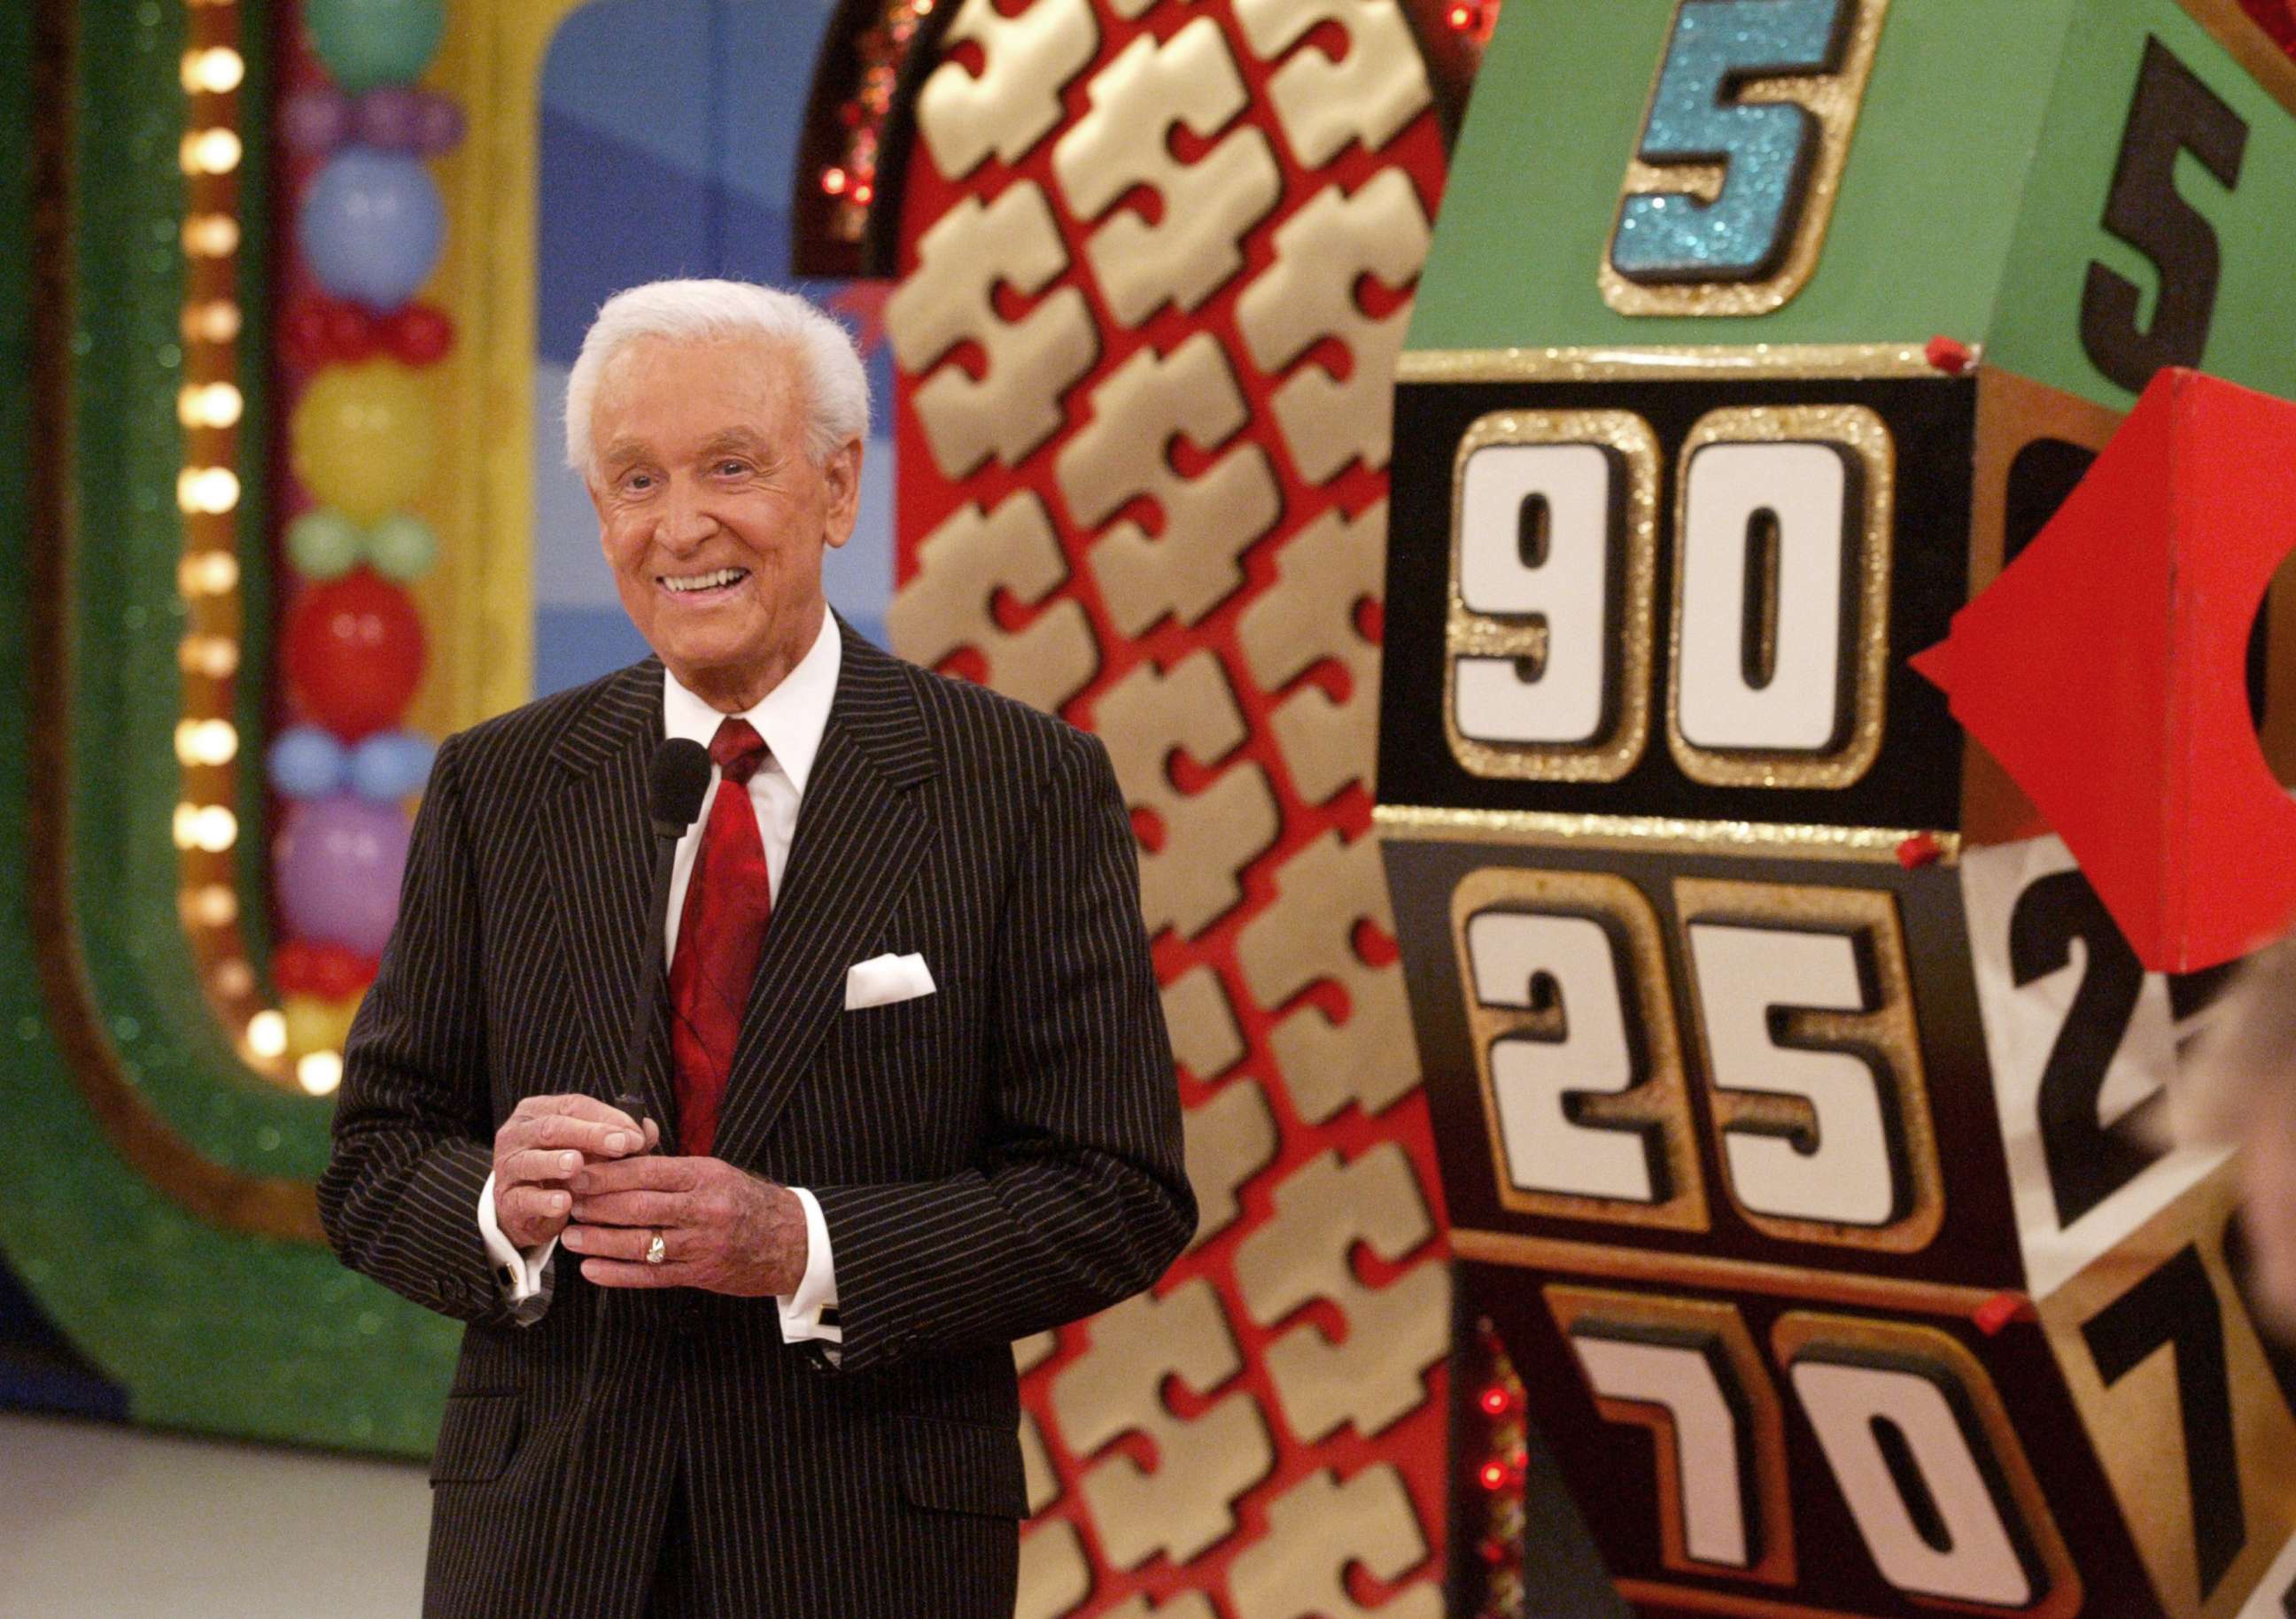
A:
[(655, 1252)]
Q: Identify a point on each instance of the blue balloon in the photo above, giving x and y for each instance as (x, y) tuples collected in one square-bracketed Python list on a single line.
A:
[(306, 763), (371, 227), (390, 765)]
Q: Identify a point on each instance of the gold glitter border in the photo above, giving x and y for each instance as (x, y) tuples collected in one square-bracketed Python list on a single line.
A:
[(1661, 1098), (1468, 634), (1678, 363), (1655, 834), (1834, 100), (1888, 1030), (1851, 1289), (1851, 426)]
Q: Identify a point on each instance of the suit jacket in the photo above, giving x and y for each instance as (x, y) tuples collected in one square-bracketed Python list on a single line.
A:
[(992, 1159)]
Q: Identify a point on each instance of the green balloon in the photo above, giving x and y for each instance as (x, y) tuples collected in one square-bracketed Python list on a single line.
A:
[(324, 543), (401, 547), (367, 42)]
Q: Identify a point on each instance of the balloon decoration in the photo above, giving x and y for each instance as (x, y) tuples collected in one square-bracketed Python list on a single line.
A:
[(306, 761), (396, 118), (438, 130), (418, 334), (366, 43), (401, 547), (324, 543), (389, 118), (362, 437), (371, 227), (303, 966), (354, 653), (339, 861), (315, 120), (369, 224), (316, 1024), (390, 765), (349, 332)]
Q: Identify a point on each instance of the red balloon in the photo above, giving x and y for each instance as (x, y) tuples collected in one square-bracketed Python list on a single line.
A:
[(352, 334), (418, 335), (339, 972), (303, 333), (294, 968), (354, 654)]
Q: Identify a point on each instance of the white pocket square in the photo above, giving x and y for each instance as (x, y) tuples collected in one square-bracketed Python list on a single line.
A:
[(884, 979)]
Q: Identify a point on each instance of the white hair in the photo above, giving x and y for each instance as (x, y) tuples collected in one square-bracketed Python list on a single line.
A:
[(836, 388)]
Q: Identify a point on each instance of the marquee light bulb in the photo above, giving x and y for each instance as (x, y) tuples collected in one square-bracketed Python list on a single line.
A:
[(206, 741), (208, 827), (215, 70), (210, 152), (207, 489), (266, 1035), (210, 404), (213, 905), (217, 657), (215, 320), (210, 235), (208, 573)]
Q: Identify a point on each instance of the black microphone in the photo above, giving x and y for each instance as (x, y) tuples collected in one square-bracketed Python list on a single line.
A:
[(675, 785)]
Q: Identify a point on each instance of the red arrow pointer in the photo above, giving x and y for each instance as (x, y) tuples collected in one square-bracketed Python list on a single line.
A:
[(2105, 670)]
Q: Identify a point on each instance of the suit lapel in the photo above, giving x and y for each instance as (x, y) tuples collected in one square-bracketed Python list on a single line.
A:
[(861, 836), (601, 871)]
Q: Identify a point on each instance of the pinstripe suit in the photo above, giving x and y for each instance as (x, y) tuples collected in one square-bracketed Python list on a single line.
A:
[(991, 1159)]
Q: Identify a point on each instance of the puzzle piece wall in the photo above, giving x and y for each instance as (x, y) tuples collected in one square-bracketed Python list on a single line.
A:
[(1156, 262)]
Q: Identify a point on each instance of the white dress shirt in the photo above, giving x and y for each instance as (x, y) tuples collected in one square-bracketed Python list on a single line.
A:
[(791, 718)]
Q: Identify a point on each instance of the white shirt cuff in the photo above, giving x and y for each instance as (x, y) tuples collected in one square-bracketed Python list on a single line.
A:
[(817, 1290), (522, 1271)]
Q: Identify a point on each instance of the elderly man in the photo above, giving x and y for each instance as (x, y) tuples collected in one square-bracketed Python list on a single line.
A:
[(750, 1354)]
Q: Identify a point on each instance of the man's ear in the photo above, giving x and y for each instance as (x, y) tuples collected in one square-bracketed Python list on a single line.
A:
[(841, 475)]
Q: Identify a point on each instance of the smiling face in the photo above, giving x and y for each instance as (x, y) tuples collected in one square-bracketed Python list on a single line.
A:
[(713, 517)]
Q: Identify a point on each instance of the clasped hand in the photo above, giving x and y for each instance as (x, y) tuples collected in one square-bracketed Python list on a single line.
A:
[(572, 1167)]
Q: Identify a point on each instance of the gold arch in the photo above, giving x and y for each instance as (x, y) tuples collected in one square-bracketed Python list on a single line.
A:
[(476, 603)]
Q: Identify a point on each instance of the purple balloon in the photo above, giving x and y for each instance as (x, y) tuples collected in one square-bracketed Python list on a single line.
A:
[(336, 871), (316, 121), (390, 117), (438, 125)]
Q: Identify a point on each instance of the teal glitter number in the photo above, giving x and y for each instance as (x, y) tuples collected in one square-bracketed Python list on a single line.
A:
[(1766, 148)]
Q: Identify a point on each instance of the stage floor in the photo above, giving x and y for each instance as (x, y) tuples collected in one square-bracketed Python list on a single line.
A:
[(98, 1520)]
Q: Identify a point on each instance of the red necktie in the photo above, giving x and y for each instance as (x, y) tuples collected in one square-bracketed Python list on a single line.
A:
[(719, 934)]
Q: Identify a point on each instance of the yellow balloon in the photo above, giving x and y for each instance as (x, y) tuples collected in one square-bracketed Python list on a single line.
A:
[(363, 437), (314, 1023)]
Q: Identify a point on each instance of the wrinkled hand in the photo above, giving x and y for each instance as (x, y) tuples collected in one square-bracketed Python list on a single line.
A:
[(539, 1148), (723, 1230)]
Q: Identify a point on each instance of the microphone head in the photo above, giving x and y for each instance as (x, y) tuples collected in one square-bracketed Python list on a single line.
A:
[(675, 784)]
